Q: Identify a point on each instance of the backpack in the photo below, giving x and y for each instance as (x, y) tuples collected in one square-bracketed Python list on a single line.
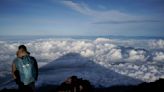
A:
[(27, 71)]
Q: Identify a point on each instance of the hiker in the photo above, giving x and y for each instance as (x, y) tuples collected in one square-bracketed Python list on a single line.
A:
[(74, 84), (25, 70), (66, 86)]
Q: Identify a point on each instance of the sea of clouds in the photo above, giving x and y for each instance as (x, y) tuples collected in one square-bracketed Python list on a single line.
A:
[(140, 59)]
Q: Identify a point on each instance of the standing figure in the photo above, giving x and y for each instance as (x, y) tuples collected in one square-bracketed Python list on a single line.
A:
[(25, 70)]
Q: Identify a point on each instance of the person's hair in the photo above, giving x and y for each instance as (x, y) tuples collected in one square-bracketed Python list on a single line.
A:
[(22, 47), (74, 78)]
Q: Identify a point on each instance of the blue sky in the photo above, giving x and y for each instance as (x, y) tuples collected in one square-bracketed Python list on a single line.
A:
[(82, 17)]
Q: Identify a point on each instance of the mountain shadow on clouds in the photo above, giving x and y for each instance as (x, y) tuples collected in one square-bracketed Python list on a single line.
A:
[(74, 64)]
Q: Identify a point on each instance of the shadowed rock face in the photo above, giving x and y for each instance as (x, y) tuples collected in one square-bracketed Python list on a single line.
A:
[(75, 64), (156, 86)]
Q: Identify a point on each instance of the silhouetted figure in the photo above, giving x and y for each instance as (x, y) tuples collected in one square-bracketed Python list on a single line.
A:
[(85, 85), (73, 84), (25, 70)]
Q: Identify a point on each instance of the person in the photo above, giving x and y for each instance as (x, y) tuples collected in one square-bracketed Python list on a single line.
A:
[(25, 70), (75, 84)]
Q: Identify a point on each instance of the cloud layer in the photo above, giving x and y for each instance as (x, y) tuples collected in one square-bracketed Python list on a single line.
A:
[(128, 57)]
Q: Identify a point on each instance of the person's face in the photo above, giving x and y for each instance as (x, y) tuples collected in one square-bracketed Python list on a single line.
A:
[(68, 81), (19, 53)]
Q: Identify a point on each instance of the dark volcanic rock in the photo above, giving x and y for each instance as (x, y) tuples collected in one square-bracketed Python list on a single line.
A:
[(157, 86)]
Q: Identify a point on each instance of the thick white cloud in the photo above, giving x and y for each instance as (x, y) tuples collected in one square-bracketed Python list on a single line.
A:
[(115, 54), (136, 55), (159, 56), (87, 53), (101, 49), (102, 40), (157, 44)]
